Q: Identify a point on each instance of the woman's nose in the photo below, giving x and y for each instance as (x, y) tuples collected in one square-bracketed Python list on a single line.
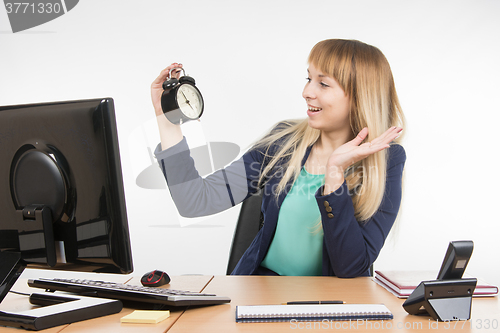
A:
[(308, 92)]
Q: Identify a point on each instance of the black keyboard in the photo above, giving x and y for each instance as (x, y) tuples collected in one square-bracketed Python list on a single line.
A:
[(130, 293)]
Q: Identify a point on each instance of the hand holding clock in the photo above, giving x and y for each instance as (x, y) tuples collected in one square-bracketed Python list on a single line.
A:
[(157, 86), (170, 134), (181, 101), (176, 100)]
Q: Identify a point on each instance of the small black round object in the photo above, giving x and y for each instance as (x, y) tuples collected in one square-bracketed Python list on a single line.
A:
[(187, 79), (155, 279)]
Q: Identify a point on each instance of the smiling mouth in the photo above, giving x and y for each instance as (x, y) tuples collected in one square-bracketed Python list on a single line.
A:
[(313, 109)]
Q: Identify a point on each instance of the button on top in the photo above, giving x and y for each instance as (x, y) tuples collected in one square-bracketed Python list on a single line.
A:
[(328, 209)]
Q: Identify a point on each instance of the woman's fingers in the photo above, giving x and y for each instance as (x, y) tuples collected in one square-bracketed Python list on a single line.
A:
[(380, 143), (383, 139), (157, 85), (360, 137), (177, 72), (354, 150), (387, 137), (164, 74)]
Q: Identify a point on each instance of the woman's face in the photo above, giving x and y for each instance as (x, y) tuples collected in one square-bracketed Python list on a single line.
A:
[(327, 103)]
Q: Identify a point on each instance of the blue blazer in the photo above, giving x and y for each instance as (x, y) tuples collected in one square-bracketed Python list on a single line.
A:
[(349, 247)]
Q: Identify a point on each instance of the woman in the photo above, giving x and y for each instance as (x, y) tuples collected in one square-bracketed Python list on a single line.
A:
[(331, 183)]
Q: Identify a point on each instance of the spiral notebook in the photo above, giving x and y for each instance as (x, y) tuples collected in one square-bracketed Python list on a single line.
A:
[(312, 312)]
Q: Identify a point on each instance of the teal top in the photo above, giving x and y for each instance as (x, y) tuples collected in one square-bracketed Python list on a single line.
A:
[(297, 246)]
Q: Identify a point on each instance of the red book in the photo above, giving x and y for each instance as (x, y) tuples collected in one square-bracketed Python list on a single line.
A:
[(402, 283)]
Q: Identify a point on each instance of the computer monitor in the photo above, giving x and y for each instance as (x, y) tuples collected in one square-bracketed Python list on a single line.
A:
[(62, 203)]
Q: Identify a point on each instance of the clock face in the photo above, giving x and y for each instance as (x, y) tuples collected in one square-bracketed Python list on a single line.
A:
[(190, 101)]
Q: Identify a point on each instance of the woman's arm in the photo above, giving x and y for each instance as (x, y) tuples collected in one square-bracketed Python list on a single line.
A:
[(193, 195), (196, 196), (353, 247)]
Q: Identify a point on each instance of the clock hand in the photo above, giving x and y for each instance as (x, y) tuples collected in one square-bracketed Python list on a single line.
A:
[(187, 101)]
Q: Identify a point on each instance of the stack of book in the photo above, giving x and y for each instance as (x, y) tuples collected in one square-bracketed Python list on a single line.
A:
[(402, 283)]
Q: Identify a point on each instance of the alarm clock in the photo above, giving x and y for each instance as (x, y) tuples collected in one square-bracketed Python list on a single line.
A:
[(181, 100)]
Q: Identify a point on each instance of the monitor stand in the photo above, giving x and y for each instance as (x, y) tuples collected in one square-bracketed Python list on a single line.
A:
[(57, 308)]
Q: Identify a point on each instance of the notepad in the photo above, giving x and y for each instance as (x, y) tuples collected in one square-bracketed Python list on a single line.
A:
[(312, 312), (145, 317)]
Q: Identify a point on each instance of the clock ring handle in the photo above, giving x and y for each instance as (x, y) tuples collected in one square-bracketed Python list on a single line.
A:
[(178, 70)]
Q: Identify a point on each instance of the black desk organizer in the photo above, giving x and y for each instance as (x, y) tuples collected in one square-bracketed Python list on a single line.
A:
[(56, 309), (449, 297)]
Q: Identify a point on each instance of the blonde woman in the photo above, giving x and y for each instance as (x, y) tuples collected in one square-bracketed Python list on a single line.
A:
[(331, 182)]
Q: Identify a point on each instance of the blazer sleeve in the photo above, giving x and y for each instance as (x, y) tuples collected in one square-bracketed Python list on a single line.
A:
[(195, 196), (352, 246)]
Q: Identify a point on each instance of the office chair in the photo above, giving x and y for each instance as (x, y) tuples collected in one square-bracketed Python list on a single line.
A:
[(249, 223)]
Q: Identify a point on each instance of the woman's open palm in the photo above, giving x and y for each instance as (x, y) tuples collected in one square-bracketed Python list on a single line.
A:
[(353, 151)]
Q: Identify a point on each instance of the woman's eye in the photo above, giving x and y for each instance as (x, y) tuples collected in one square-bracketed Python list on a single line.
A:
[(324, 85)]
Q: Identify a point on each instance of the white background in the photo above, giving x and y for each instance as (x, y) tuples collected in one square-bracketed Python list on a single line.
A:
[(249, 59)]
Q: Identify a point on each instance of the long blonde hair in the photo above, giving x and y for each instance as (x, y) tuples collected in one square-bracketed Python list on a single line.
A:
[(364, 74)]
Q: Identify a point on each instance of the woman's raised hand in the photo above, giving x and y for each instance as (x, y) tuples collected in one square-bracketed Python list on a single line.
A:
[(353, 151), (170, 134), (157, 86)]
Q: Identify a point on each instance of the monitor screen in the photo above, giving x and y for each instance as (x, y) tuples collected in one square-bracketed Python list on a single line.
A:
[(62, 202)]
